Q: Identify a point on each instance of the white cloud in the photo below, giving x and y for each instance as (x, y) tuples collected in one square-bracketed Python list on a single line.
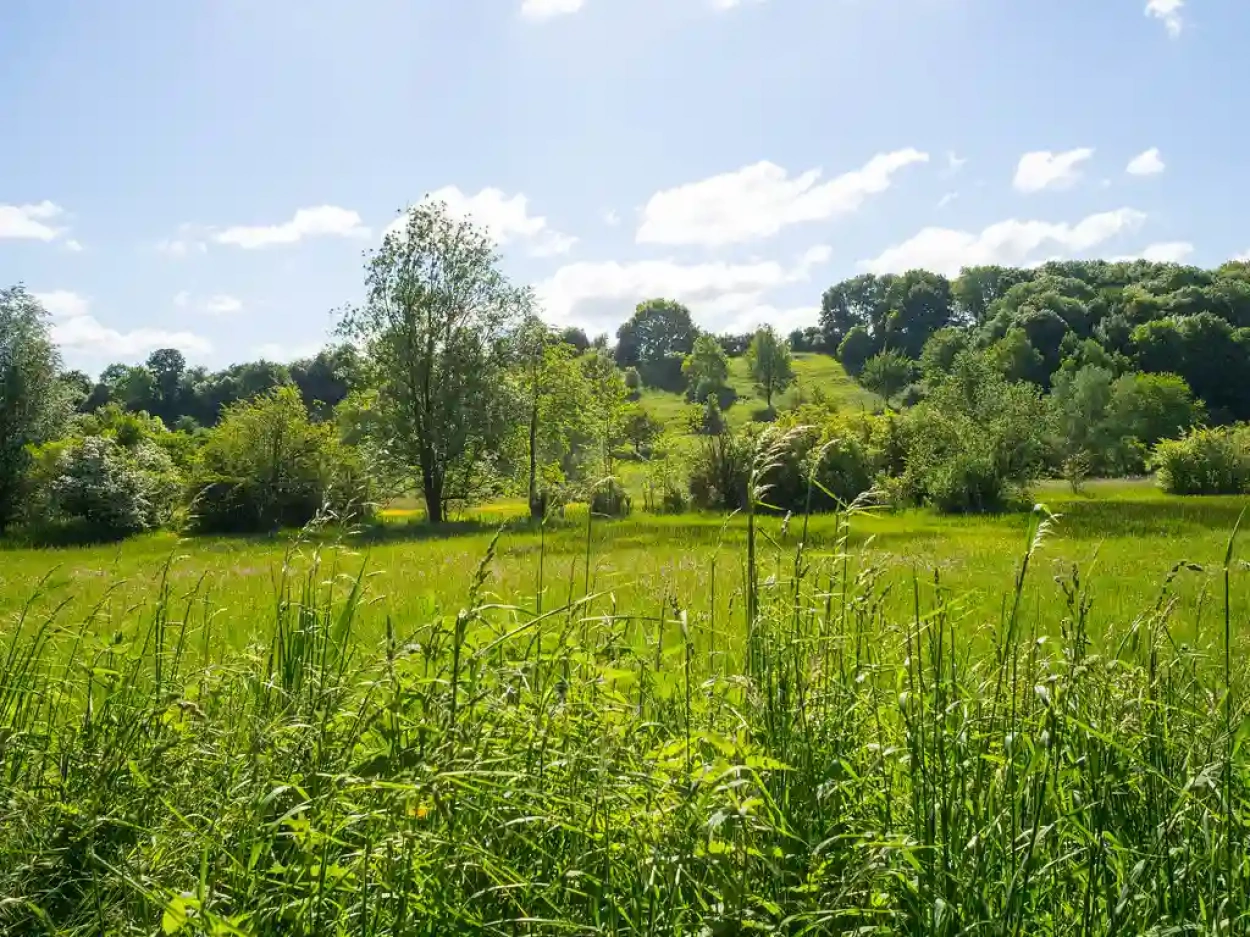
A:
[(758, 201), (505, 218), (63, 304), (189, 240), (1149, 163), (954, 162), (30, 222), (599, 294), (1010, 243), (1046, 170), (81, 335), (87, 337), (221, 304), (731, 4), (322, 221), (544, 9), (73, 245), (783, 320), (1169, 11), (611, 218), (947, 199), (1168, 252)]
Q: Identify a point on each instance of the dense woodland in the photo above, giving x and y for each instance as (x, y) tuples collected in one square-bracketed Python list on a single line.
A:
[(446, 383)]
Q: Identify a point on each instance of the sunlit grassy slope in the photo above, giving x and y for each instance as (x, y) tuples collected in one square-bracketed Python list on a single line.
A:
[(816, 374)]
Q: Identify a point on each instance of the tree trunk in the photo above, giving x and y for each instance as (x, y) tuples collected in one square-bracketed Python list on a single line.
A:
[(432, 487), (536, 509)]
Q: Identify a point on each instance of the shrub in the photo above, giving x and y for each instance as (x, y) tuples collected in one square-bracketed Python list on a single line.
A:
[(720, 470), (110, 490), (633, 382), (973, 444), (1205, 462), (841, 451), (856, 348), (610, 499), (266, 465)]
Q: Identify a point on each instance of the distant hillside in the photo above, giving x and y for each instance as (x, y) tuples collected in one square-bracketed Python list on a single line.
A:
[(814, 373)]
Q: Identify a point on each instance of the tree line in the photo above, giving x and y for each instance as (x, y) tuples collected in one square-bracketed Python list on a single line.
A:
[(445, 381)]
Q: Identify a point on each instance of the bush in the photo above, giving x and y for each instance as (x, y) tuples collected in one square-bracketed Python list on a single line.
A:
[(633, 383), (720, 470), (109, 490), (1205, 462), (974, 444), (266, 466), (856, 348), (610, 499), (841, 450)]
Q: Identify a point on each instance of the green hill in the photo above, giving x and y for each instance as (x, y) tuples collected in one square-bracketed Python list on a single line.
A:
[(815, 373)]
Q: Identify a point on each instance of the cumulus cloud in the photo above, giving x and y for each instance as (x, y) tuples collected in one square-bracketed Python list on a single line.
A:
[(1169, 11), (1010, 243), (545, 9), (1167, 252), (322, 221), (1046, 170), (85, 336), (783, 320), (61, 304), (221, 304), (506, 218), (31, 222), (82, 336), (596, 295), (189, 240), (758, 201), (1149, 163), (947, 199)]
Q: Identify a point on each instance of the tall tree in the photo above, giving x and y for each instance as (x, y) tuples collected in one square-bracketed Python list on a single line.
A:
[(554, 393), (770, 363), (606, 402), (434, 323), (34, 402), (655, 340)]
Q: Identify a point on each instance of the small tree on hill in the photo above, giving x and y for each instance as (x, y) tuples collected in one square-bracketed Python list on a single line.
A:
[(770, 363), (887, 374), (706, 369)]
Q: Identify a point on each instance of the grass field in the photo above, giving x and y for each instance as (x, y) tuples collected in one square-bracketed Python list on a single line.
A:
[(814, 374), (1125, 536), (661, 725)]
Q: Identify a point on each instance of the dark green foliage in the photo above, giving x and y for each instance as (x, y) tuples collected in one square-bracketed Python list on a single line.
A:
[(610, 499), (855, 350), (656, 340), (719, 471)]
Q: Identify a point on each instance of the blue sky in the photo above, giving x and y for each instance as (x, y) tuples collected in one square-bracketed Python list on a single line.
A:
[(208, 173)]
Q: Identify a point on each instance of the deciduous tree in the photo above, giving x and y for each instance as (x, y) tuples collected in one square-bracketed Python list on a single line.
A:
[(434, 323), (770, 363)]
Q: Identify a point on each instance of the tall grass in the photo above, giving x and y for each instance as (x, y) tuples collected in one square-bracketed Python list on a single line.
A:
[(556, 764)]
